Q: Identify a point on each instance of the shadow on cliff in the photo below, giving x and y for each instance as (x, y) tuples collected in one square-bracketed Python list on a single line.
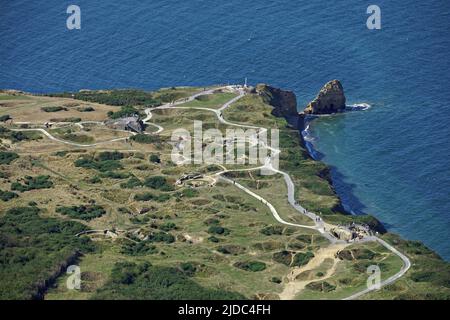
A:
[(345, 191)]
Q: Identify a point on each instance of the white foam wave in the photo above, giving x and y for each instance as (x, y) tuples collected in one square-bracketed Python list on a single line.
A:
[(358, 107)]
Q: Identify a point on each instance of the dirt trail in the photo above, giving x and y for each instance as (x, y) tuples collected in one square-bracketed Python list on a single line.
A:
[(293, 286)]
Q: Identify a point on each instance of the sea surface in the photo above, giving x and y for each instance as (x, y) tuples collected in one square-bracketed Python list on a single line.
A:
[(392, 160)]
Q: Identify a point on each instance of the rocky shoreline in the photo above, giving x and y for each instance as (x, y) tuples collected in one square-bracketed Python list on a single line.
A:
[(330, 100)]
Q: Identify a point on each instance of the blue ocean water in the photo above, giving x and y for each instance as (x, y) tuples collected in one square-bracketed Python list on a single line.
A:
[(391, 161)]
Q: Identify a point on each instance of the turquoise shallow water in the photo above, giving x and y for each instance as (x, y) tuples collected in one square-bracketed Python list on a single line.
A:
[(392, 160)]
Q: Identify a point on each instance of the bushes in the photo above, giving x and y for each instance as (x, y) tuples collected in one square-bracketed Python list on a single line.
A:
[(7, 157), (53, 109), (161, 237), (188, 268), (253, 266), (146, 139), (138, 249), (283, 257), (132, 183), (7, 195), (33, 250), (86, 213), (115, 175), (272, 230), (17, 136), (147, 196), (107, 155), (102, 163), (158, 182), (5, 118), (167, 226), (218, 230), (231, 249), (301, 259), (321, 286), (214, 239), (85, 109), (154, 158), (32, 183), (276, 280), (144, 281), (114, 97), (126, 111), (289, 259)]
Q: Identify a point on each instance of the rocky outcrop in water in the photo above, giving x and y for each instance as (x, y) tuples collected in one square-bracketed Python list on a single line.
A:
[(331, 99)]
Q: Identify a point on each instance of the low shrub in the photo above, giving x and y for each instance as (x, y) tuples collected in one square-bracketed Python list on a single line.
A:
[(253, 266), (7, 195), (146, 138), (138, 248), (159, 183), (272, 230), (53, 109), (7, 157), (154, 158), (87, 213), (32, 183), (5, 118), (301, 259), (218, 230)]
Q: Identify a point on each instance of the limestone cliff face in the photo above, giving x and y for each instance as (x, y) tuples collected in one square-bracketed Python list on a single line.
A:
[(331, 99), (283, 101)]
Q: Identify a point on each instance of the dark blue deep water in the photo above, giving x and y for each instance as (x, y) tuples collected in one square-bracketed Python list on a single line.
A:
[(392, 160)]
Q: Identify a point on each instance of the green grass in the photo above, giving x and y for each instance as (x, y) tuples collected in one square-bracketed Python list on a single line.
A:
[(214, 101)]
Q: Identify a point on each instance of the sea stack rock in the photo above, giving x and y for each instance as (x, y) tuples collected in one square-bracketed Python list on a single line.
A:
[(331, 99)]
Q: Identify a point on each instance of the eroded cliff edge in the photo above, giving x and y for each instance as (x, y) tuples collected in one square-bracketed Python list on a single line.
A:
[(331, 99)]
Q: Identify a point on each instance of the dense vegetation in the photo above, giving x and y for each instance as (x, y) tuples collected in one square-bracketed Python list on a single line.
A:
[(159, 183), (218, 230), (114, 97), (132, 183), (7, 157), (146, 138), (17, 136), (161, 236), (302, 258), (253, 266), (33, 250), (5, 118), (144, 281), (7, 195), (87, 212), (147, 196), (53, 109), (85, 109), (106, 161), (140, 248), (125, 111), (272, 230), (154, 158), (32, 183)]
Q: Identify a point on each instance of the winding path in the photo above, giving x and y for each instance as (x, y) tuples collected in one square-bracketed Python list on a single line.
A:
[(320, 226)]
